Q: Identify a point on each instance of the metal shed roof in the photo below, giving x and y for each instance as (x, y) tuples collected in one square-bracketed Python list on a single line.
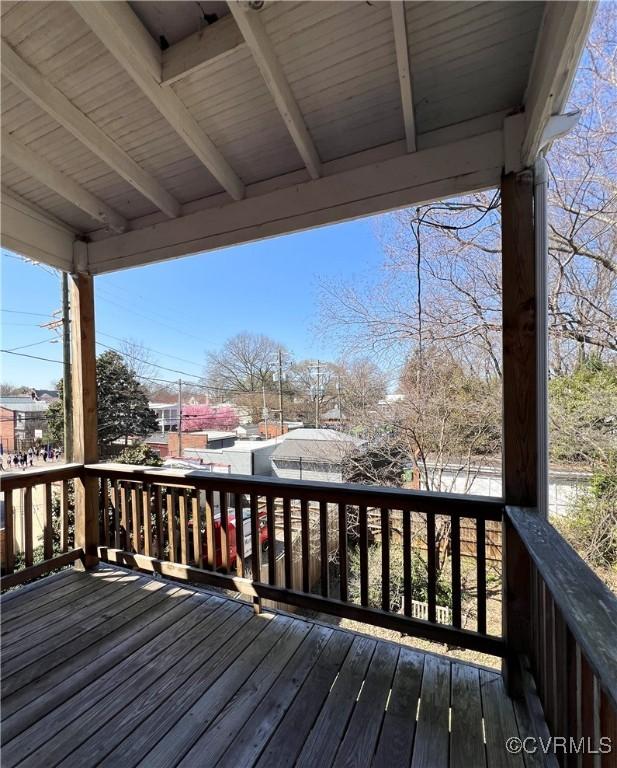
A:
[(257, 120)]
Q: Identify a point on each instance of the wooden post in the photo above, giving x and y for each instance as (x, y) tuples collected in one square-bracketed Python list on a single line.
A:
[(85, 443), (520, 407)]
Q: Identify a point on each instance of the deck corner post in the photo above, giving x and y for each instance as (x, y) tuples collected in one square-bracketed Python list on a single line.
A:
[(85, 436), (521, 433)]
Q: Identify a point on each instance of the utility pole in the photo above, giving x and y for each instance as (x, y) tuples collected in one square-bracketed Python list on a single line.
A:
[(265, 410), (281, 390), (67, 389), (340, 408), (180, 417), (317, 399)]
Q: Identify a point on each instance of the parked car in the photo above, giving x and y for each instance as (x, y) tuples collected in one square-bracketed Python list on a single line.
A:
[(231, 531)]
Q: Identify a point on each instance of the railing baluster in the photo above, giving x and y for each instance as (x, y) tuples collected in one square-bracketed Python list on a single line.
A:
[(255, 543), (455, 553), (224, 530), (385, 559), (48, 541), (172, 539), (210, 533), (158, 518), (124, 514), (196, 515), (481, 573), (342, 551), (323, 547), (287, 539), (271, 540), (8, 565), (184, 545), (64, 516), (115, 496), (306, 545), (431, 558), (105, 510), (28, 551), (407, 574), (239, 534), (146, 507), (136, 517), (363, 525)]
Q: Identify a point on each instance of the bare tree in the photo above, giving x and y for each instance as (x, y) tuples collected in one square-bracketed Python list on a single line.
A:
[(139, 359)]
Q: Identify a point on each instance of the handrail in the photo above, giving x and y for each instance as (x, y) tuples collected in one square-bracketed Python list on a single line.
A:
[(318, 535), (11, 481), (587, 605), (488, 508), (43, 549)]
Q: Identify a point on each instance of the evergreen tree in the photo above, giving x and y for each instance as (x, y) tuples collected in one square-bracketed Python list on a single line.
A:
[(122, 404)]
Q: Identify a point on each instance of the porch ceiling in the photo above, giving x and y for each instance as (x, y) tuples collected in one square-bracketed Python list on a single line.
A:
[(263, 121)]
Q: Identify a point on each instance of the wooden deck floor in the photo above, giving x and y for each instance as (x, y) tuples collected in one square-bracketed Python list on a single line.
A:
[(111, 668)]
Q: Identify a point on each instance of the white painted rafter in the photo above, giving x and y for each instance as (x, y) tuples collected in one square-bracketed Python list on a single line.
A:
[(116, 25), (40, 169), (265, 57), (399, 25), (56, 104)]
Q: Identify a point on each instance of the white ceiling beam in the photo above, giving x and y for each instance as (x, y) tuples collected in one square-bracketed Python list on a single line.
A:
[(115, 24), (399, 24), (408, 179), (29, 231), (211, 44), (559, 46), (263, 52), (55, 103), (40, 169)]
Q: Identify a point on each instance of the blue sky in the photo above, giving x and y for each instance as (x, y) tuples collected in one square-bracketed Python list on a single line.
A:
[(186, 307)]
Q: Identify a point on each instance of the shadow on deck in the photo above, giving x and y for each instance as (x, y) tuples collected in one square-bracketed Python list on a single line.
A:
[(112, 668)]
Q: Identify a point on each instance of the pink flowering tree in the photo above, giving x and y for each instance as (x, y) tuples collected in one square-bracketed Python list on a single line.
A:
[(199, 417)]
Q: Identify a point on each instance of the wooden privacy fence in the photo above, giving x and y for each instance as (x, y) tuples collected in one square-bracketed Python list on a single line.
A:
[(164, 521)]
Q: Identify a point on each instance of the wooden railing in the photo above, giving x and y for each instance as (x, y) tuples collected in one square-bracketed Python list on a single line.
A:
[(171, 522), (571, 641), (28, 497)]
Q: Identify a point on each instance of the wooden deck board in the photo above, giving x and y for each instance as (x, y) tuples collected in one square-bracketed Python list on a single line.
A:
[(168, 675), (399, 726)]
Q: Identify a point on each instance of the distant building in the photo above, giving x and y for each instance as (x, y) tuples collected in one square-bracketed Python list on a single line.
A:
[(247, 431), (245, 457), (333, 418), (167, 414), (23, 420), (210, 438), (313, 454), (158, 442)]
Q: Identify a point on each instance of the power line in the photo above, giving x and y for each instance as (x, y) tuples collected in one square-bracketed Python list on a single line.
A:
[(33, 357), (20, 312), (149, 349)]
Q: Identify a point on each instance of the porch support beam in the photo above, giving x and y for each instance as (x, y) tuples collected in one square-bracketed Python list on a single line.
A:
[(85, 436), (428, 174), (32, 232), (201, 49), (118, 28), (266, 59), (56, 104), (39, 168), (399, 24), (520, 407)]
